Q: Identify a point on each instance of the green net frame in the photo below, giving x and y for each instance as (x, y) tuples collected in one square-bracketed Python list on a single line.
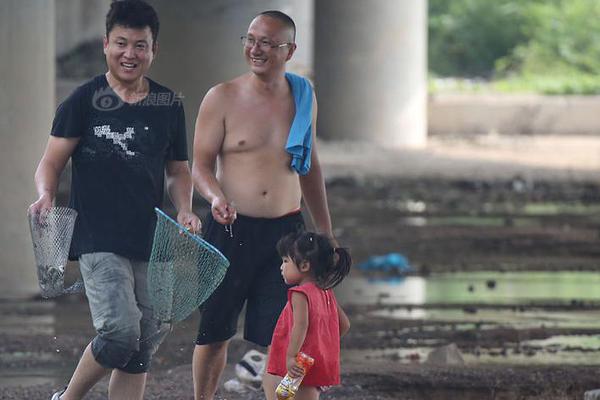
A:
[(183, 271)]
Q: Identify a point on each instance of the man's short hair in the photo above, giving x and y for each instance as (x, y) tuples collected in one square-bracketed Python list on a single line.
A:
[(285, 19), (136, 14)]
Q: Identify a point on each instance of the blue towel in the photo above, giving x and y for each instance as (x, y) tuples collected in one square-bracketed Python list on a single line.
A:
[(299, 141)]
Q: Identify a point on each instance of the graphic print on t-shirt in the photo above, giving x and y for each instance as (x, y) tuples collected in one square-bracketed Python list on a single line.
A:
[(117, 138), (118, 165)]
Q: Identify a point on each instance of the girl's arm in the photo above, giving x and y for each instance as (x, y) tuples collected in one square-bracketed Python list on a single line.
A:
[(299, 329), (344, 321)]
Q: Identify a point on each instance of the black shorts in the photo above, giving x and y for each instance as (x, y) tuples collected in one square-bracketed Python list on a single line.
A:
[(253, 276)]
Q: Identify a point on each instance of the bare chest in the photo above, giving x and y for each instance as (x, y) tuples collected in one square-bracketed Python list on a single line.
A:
[(258, 125)]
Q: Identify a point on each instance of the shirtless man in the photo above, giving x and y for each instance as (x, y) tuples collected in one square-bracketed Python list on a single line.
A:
[(242, 169)]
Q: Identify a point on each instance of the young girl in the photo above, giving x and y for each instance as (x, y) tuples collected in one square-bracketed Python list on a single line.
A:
[(311, 322)]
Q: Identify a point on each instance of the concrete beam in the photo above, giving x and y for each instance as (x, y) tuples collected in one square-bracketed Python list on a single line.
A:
[(26, 112)]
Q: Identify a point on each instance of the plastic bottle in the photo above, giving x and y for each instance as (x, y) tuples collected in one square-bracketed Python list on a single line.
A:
[(288, 387)]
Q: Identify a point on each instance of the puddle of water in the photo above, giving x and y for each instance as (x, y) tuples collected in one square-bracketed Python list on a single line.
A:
[(583, 342), (474, 221), (422, 294), (494, 318), (474, 288), (471, 221), (550, 208), (481, 300), (510, 355), (538, 357)]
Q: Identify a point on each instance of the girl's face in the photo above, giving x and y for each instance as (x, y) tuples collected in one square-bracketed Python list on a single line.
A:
[(292, 275)]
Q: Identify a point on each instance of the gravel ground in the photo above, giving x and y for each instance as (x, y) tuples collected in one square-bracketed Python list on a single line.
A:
[(374, 195)]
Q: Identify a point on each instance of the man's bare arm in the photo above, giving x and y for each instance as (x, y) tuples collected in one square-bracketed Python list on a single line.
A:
[(57, 153), (209, 135), (313, 186), (179, 186)]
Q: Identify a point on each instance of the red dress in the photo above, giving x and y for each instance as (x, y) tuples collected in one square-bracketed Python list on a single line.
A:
[(322, 340)]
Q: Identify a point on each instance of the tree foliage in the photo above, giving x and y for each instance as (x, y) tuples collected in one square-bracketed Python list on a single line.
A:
[(467, 37), (503, 38)]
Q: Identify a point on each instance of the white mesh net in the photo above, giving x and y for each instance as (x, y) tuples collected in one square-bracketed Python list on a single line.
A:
[(51, 233)]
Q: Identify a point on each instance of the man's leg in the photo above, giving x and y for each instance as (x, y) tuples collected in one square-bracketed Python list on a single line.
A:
[(109, 284), (86, 375), (129, 382), (208, 364), (219, 314), (124, 386)]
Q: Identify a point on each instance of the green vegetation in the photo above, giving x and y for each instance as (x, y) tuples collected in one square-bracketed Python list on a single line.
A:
[(540, 46)]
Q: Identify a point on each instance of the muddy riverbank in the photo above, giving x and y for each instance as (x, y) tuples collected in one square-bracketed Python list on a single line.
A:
[(369, 372), (504, 265)]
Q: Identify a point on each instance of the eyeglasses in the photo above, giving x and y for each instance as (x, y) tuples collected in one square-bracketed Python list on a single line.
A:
[(263, 44)]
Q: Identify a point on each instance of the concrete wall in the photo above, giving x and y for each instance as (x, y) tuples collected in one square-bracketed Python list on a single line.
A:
[(513, 114), (26, 111), (79, 21)]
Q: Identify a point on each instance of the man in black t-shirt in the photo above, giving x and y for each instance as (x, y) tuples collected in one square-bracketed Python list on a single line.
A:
[(123, 133)]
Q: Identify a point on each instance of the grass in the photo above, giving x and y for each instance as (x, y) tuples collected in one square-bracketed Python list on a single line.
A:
[(579, 84)]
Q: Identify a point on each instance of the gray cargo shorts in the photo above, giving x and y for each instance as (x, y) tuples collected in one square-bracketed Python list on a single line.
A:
[(127, 334)]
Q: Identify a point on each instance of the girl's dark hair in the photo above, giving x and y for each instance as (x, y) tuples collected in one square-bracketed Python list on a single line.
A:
[(136, 14), (328, 269)]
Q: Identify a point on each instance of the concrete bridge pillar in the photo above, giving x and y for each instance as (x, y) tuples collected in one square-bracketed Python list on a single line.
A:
[(26, 112), (371, 70)]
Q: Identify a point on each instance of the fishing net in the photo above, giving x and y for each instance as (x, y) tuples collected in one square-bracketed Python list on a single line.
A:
[(184, 270), (51, 233)]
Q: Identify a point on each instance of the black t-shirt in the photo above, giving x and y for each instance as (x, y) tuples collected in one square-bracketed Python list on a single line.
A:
[(118, 166)]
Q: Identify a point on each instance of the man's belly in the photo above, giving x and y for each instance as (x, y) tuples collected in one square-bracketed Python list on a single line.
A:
[(265, 195)]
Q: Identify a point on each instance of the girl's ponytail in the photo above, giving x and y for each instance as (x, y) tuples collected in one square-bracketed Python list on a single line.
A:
[(340, 268)]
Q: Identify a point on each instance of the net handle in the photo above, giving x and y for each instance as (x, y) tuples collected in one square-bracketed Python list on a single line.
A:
[(198, 239)]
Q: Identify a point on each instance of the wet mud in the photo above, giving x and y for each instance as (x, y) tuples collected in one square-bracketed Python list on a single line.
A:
[(514, 347)]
